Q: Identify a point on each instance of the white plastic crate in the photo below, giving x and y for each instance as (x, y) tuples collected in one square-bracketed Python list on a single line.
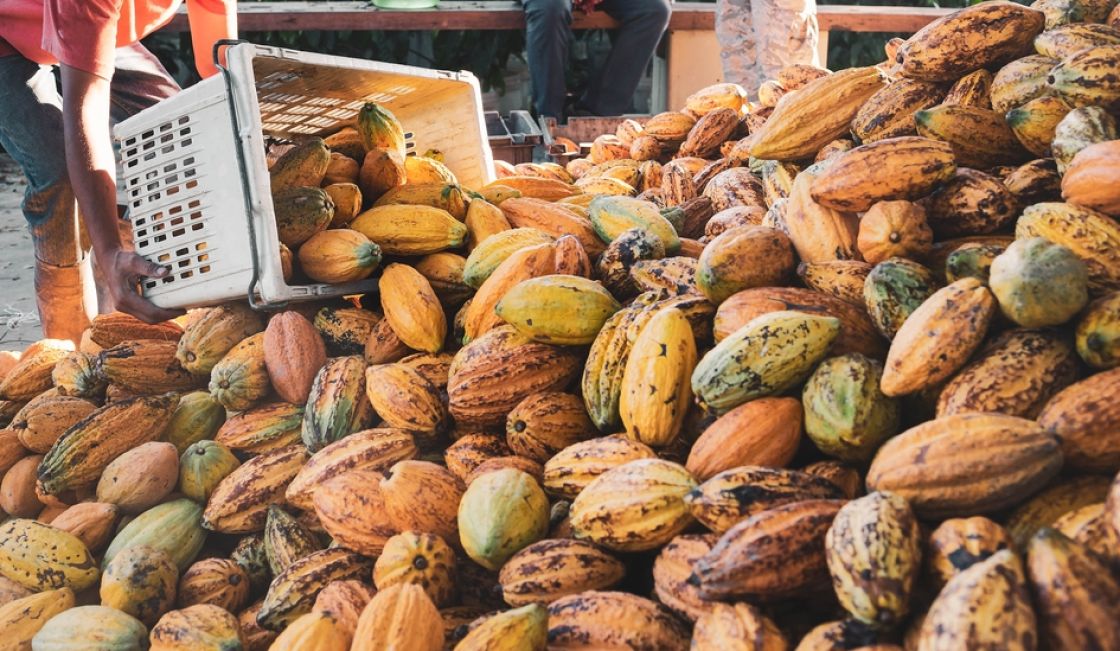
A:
[(196, 179)]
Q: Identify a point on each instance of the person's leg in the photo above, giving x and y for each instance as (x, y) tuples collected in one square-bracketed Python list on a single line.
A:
[(139, 81), (547, 35), (787, 33), (31, 132), (643, 23), (738, 50)]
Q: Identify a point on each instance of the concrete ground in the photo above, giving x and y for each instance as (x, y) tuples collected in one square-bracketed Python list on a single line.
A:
[(19, 320)]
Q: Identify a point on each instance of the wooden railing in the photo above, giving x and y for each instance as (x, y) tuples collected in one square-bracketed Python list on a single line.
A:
[(501, 15)]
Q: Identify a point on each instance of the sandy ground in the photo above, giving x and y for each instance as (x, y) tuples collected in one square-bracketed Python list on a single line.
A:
[(19, 321)]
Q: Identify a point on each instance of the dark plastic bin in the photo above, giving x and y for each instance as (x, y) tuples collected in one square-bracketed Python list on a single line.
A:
[(513, 137)]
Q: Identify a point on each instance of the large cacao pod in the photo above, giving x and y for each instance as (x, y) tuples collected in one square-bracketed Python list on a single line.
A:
[(375, 449), (492, 374), (762, 432), (239, 504), (737, 494), (571, 470), (846, 414), (293, 354), (986, 606), (351, 508), (736, 370), (399, 617), (874, 552), (1016, 375), (337, 405), (1078, 597), (550, 569), (613, 620), (501, 513), (966, 464), (938, 337), (80, 456), (634, 507), (146, 367), (1084, 418), (745, 561), (970, 39), (292, 593), (211, 334)]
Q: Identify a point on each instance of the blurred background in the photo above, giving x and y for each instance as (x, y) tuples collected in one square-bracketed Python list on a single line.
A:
[(497, 57)]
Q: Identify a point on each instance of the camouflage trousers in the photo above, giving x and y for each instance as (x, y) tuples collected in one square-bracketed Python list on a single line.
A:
[(758, 37)]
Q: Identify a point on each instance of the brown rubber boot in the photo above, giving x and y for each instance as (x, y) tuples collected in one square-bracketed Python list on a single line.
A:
[(66, 299)]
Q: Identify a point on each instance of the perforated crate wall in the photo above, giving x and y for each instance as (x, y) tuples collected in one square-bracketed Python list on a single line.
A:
[(166, 203)]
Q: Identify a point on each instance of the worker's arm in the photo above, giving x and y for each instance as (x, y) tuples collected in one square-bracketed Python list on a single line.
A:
[(90, 163), (211, 21)]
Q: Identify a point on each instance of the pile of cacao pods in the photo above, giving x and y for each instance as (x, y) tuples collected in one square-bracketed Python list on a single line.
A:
[(833, 370)]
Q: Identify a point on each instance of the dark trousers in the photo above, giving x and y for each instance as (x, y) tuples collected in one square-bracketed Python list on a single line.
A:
[(611, 90)]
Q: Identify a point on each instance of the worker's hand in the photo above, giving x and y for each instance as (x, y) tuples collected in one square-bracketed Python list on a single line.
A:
[(123, 271)]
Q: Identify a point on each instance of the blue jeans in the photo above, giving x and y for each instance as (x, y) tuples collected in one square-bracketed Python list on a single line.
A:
[(31, 131), (612, 87)]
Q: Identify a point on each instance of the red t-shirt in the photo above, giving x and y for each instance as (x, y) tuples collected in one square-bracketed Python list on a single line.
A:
[(83, 33)]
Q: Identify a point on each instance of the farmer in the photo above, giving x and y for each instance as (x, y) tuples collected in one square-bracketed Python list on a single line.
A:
[(62, 140), (758, 37), (612, 87)]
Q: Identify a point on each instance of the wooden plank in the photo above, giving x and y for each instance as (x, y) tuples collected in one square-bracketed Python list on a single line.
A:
[(342, 15), (694, 63), (853, 18), (822, 48)]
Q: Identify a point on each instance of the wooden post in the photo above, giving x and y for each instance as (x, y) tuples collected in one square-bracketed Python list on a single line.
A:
[(822, 47), (693, 64)]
